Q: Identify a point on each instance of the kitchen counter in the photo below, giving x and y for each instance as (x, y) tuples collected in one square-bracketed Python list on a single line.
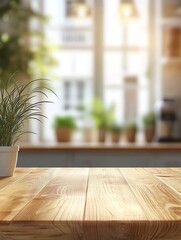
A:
[(104, 203), (100, 155), (99, 147)]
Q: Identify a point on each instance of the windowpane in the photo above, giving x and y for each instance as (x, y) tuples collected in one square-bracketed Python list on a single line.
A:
[(112, 27), (115, 97), (125, 58), (137, 62), (75, 63), (72, 39), (112, 67), (138, 34)]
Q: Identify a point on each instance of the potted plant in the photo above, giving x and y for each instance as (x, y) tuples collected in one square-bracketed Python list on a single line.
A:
[(87, 129), (64, 126), (130, 130), (149, 126), (115, 130), (17, 105), (102, 117), (102, 131)]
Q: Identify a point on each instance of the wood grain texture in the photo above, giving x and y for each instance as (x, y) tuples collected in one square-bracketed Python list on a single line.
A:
[(176, 170), (162, 171), (110, 205), (19, 173), (91, 204), (147, 187), (59, 203), (162, 205), (16, 196)]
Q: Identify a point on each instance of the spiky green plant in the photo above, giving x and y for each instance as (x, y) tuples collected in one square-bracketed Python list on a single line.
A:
[(17, 105)]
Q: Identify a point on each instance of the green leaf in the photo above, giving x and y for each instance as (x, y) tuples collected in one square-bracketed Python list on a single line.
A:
[(17, 105)]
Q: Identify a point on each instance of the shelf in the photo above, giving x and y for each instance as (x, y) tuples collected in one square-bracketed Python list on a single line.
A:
[(166, 60), (98, 147), (171, 21), (167, 48)]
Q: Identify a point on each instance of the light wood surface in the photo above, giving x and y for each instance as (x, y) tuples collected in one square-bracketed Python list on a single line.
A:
[(91, 204)]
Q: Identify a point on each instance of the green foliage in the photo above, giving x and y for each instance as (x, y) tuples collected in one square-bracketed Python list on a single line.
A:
[(64, 122), (22, 47), (149, 120), (115, 128), (131, 125), (17, 105), (102, 116), (43, 60)]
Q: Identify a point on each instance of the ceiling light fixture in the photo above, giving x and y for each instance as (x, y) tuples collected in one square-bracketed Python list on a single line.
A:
[(127, 9), (82, 9)]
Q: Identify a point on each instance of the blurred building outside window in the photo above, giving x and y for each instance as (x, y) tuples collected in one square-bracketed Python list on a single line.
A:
[(128, 91)]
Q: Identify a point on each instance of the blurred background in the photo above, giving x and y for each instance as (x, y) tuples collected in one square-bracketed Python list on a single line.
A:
[(110, 62)]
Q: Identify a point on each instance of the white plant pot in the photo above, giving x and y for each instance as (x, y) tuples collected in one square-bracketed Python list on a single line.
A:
[(89, 134), (8, 160)]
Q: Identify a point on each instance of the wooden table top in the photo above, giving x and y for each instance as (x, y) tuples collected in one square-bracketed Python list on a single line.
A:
[(91, 203)]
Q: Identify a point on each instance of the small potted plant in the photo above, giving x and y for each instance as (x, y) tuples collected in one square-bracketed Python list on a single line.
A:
[(130, 130), (149, 126), (102, 117), (102, 131), (17, 105), (64, 126), (115, 130), (87, 129)]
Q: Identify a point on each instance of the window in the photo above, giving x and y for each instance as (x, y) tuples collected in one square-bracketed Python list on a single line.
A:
[(126, 61), (124, 56)]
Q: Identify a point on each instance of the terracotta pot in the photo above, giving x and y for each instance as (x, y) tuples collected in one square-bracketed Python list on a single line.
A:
[(115, 137), (149, 134), (101, 135), (130, 134), (64, 134)]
